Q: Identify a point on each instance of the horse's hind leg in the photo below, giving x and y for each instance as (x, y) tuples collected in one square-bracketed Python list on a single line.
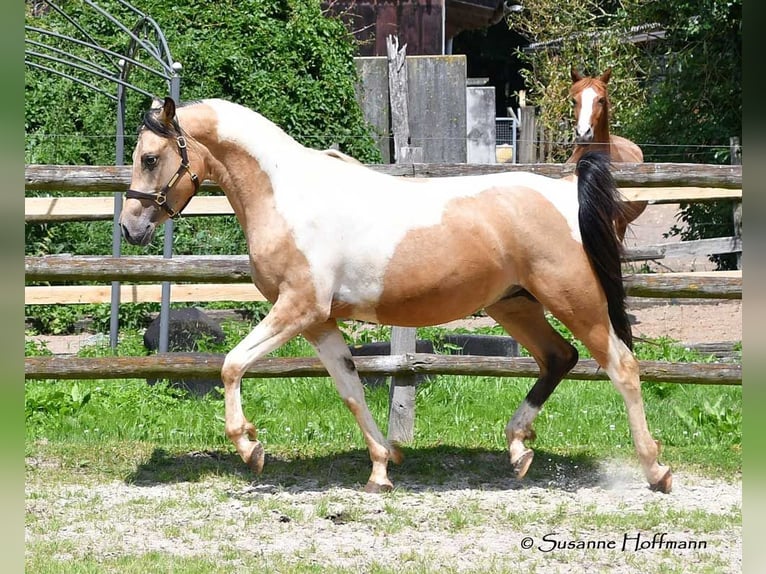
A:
[(524, 318), (336, 357), (587, 317)]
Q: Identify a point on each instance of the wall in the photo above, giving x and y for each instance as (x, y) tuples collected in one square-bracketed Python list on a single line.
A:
[(436, 104)]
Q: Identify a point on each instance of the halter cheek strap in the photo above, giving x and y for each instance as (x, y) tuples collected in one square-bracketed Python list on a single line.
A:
[(161, 198)]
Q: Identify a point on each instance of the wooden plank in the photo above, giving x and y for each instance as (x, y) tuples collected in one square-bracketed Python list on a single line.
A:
[(140, 268), (698, 247), (199, 365), (180, 293), (44, 209), (236, 269), (117, 178), (685, 285), (679, 194)]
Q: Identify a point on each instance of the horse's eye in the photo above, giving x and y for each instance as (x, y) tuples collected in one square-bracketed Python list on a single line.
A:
[(150, 161), (602, 101)]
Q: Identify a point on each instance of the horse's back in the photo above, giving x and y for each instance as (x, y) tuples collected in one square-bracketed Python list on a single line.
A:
[(624, 150)]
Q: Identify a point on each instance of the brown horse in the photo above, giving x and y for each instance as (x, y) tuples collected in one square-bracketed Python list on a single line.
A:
[(333, 239), (590, 98)]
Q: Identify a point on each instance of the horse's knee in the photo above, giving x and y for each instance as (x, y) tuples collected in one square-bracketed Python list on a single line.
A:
[(232, 369)]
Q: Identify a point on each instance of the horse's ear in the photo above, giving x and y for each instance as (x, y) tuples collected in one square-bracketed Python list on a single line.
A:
[(576, 76), (168, 111), (606, 75)]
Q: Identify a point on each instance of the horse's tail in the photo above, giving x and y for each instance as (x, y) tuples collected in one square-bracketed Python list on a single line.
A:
[(599, 205)]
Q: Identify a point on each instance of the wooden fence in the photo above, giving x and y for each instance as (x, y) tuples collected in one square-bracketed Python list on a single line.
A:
[(205, 278)]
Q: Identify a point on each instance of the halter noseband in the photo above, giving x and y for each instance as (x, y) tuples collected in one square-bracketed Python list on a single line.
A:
[(160, 198)]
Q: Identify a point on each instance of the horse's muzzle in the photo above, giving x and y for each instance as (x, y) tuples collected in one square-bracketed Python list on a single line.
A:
[(138, 237)]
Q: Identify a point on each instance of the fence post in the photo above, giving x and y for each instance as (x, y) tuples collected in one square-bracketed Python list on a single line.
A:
[(401, 405), (736, 159), (528, 129)]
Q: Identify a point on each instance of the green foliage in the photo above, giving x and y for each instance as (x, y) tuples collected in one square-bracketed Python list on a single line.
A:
[(284, 58), (718, 419), (61, 319), (57, 402)]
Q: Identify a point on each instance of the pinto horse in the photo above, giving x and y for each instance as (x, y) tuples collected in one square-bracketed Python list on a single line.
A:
[(590, 98), (330, 239)]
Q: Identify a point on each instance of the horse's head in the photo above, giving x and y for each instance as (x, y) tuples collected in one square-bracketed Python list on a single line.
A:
[(163, 179), (590, 98)]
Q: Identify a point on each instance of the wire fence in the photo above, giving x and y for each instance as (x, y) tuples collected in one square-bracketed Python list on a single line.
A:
[(56, 148)]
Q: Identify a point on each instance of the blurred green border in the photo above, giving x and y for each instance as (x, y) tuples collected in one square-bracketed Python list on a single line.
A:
[(754, 317), (12, 253)]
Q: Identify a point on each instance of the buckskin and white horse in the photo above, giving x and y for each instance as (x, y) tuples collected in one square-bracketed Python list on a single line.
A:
[(331, 239), (590, 98)]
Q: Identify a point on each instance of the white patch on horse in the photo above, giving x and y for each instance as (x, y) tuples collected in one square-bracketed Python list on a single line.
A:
[(587, 98), (523, 417), (347, 219)]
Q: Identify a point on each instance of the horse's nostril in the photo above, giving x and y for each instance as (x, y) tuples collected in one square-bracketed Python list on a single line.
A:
[(126, 234)]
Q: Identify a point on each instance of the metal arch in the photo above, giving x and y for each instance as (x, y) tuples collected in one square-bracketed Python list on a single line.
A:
[(147, 36)]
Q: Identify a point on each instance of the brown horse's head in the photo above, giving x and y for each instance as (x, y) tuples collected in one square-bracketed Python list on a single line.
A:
[(590, 98), (164, 178)]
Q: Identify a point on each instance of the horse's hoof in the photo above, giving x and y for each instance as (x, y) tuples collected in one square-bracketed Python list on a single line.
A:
[(256, 458), (521, 466), (375, 488), (664, 485)]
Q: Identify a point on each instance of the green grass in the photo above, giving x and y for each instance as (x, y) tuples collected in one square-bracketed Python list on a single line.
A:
[(303, 419)]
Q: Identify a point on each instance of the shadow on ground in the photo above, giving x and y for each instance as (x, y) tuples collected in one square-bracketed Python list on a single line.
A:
[(428, 468)]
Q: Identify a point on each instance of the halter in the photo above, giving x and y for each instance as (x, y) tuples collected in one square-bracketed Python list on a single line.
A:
[(160, 198)]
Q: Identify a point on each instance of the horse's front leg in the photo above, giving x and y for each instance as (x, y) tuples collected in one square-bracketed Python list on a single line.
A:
[(336, 357), (283, 322)]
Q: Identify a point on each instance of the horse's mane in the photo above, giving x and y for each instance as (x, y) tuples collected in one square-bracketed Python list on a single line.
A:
[(152, 122)]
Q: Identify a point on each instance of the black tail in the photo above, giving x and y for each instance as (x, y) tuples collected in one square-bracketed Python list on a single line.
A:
[(599, 205)]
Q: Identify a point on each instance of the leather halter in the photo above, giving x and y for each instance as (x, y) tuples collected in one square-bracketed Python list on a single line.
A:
[(160, 198)]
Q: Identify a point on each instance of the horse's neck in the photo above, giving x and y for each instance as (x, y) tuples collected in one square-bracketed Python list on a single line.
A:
[(597, 146)]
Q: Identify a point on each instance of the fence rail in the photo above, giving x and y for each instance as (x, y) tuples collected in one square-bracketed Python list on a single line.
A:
[(208, 365), (98, 179), (236, 269)]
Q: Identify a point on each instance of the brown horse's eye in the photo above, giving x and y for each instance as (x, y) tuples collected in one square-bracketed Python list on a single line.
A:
[(602, 101), (150, 161)]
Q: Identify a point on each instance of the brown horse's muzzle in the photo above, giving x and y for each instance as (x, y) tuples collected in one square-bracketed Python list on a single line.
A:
[(138, 226)]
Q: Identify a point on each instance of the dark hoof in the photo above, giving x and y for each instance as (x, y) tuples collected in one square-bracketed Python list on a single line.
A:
[(375, 488), (256, 459), (521, 466), (664, 485)]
